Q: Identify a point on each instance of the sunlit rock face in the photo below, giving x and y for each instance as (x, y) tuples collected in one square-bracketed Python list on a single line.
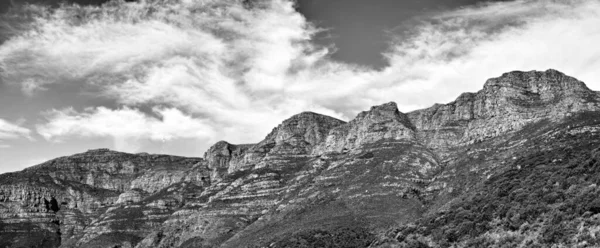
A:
[(57, 201), (311, 176), (383, 122), (505, 104), (223, 158), (296, 136)]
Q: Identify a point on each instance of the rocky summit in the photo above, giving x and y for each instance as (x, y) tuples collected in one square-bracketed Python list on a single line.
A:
[(516, 164)]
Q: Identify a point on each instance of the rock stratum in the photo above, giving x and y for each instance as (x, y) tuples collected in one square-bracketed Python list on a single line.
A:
[(462, 174)]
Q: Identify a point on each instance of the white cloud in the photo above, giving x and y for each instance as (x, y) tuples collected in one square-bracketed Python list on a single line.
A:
[(239, 71), (11, 131), (457, 51), (126, 126)]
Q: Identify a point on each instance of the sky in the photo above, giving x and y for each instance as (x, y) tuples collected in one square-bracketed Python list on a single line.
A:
[(176, 76)]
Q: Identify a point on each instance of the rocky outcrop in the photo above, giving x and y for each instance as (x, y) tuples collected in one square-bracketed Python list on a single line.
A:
[(110, 170), (505, 104), (296, 136), (130, 196), (65, 194), (382, 122), (301, 133), (222, 156)]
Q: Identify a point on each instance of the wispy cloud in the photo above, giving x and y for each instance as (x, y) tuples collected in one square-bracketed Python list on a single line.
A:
[(457, 51), (12, 131), (126, 126), (236, 70)]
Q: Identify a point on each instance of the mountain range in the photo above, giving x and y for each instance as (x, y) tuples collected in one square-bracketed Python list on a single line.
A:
[(516, 164)]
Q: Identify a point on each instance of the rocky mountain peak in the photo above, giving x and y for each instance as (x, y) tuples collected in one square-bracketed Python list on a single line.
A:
[(308, 127), (505, 103), (296, 136), (548, 91), (219, 156), (99, 152), (390, 107), (387, 112), (217, 151), (222, 156), (381, 122), (220, 147), (546, 85)]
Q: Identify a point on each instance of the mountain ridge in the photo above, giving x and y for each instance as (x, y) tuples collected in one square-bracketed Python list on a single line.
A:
[(346, 182)]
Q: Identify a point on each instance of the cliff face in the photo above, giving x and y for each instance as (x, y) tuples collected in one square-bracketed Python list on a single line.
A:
[(379, 123), (312, 176), (505, 104), (296, 136), (61, 198)]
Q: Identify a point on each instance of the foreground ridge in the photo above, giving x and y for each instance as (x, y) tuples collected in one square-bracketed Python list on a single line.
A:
[(316, 181)]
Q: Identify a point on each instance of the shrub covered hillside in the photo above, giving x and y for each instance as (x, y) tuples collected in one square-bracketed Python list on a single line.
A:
[(549, 198)]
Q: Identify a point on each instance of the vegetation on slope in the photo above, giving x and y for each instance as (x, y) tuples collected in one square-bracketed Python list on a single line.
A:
[(549, 199)]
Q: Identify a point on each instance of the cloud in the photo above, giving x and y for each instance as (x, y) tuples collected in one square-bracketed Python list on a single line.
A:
[(126, 126), (10, 131), (238, 70), (457, 51), (228, 62)]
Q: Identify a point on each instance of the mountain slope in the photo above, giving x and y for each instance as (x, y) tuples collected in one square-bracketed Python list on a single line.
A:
[(383, 179), (546, 196), (54, 202)]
